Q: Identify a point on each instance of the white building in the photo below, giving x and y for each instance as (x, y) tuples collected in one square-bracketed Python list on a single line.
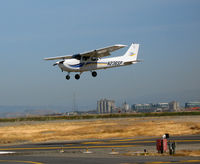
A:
[(174, 106), (105, 106), (125, 107)]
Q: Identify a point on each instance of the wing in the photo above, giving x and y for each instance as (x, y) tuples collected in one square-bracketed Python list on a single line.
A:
[(94, 53), (103, 51)]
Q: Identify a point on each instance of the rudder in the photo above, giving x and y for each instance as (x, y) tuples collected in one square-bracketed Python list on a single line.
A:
[(132, 52)]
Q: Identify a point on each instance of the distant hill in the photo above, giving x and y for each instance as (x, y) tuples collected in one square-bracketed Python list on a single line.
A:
[(19, 111)]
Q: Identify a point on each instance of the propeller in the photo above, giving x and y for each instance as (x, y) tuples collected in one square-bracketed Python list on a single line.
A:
[(60, 62)]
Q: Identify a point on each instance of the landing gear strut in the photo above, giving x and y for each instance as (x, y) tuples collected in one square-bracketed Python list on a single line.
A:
[(94, 73), (77, 76), (68, 77)]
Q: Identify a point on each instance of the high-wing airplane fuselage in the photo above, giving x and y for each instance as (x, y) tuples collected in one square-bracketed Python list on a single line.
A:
[(92, 60), (74, 65)]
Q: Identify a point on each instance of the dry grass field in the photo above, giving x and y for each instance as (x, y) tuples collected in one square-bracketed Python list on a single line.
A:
[(21, 132)]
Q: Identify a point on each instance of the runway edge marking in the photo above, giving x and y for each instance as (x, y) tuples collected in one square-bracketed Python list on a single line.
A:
[(31, 162)]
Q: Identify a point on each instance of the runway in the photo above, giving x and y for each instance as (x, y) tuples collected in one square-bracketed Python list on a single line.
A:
[(120, 151)]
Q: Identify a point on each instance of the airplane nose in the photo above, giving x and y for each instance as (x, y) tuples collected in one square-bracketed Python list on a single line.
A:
[(59, 62)]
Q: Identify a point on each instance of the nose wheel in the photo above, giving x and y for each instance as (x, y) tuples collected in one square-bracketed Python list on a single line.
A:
[(94, 73), (67, 77)]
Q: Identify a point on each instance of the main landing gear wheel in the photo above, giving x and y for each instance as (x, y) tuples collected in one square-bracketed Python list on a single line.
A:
[(77, 76), (67, 77), (94, 73)]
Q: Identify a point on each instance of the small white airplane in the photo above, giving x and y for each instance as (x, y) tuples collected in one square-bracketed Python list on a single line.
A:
[(92, 60)]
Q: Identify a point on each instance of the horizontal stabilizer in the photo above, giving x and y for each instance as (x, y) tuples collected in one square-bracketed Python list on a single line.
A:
[(132, 62)]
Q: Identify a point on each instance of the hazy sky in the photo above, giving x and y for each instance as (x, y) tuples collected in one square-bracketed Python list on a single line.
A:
[(168, 32)]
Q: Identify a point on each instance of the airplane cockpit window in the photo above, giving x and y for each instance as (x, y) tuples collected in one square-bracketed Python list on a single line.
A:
[(94, 58), (77, 56), (85, 58)]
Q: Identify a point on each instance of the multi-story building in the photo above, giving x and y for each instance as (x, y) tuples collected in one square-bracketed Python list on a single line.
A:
[(192, 105), (105, 106), (174, 106), (143, 107), (159, 107)]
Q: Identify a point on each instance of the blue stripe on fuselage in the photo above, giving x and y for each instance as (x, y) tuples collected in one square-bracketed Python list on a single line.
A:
[(82, 64)]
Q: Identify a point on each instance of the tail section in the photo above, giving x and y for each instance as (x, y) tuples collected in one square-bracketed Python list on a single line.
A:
[(132, 52)]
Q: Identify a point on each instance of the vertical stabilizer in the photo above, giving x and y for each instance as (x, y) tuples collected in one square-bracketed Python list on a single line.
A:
[(132, 52)]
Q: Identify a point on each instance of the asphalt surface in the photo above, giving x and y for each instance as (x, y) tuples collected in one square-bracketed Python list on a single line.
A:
[(122, 151)]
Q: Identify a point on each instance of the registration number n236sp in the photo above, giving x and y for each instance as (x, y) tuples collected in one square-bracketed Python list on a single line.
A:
[(114, 63)]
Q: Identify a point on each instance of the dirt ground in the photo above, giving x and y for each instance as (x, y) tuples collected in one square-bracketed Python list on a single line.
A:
[(23, 132)]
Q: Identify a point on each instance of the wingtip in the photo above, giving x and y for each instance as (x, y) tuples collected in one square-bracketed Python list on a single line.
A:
[(121, 45)]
